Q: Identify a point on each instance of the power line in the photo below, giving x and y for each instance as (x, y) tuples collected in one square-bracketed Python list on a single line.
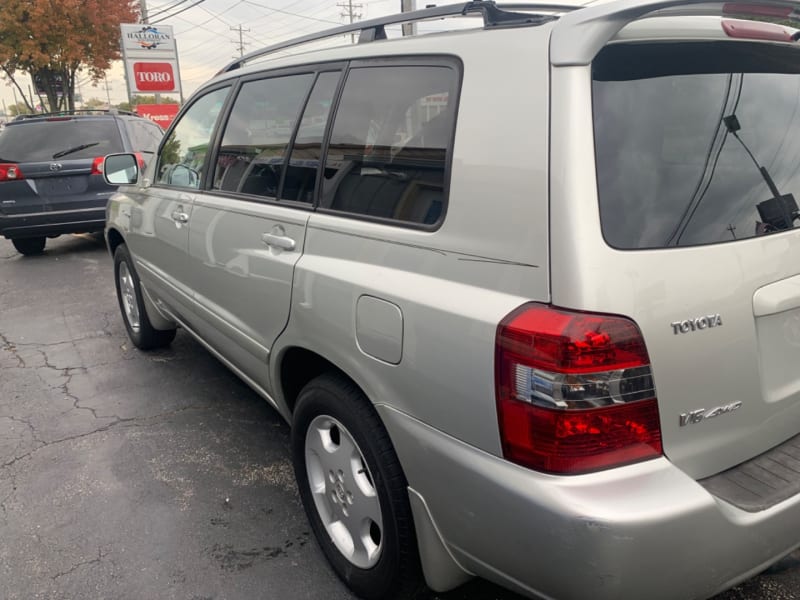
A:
[(286, 12), (177, 12), (166, 8)]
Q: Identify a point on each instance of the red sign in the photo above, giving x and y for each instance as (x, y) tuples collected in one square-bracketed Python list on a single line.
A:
[(153, 77), (163, 114)]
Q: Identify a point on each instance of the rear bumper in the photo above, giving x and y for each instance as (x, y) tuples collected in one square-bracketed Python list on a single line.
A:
[(641, 531), (53, 223)]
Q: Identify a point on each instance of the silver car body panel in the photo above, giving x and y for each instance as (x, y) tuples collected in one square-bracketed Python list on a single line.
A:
[(227, 251)]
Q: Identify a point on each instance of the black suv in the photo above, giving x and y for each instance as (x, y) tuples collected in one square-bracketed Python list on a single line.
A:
[(51, 171)]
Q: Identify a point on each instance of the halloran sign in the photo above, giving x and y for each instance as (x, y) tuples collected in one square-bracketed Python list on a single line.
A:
[(148, 38)]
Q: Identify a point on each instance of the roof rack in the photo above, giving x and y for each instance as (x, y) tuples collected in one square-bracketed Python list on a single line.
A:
[(494, 15), (77, 111)]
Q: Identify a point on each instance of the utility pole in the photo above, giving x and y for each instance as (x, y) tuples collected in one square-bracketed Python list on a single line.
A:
[(349, 12), (408, 6), (143, 10), (108, 92), (241, 39)]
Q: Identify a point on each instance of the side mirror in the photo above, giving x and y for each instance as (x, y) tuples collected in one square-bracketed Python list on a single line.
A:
[(121, 169)]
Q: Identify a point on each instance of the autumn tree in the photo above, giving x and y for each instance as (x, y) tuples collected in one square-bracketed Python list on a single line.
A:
[(144, 99), (54, 40)]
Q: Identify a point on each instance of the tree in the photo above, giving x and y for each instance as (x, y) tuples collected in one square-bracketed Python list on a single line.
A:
[(144, 99), (94, 103), (19, 108), (53, 40)]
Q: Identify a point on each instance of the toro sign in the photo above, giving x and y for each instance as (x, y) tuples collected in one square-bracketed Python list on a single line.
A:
[(153, 77)]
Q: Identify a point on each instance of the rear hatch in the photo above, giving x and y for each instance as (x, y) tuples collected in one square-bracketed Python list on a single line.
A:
[(697, 147), (58, 162)]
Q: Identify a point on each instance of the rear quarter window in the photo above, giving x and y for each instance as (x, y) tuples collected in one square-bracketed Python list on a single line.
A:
[(696, 143), (389, 151)]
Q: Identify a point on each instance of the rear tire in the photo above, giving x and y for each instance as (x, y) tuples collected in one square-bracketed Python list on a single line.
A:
[(131, 304), (30, 246), (354, 490)]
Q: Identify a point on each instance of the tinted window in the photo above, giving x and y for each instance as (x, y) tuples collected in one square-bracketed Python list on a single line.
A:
[(681, 134), (301, 175), (183, 154), (257, 135), (388, 151), (145, 136), (55, 140)]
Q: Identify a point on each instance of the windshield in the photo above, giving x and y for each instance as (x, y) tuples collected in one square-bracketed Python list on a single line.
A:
[(35, 141), (696, 143)]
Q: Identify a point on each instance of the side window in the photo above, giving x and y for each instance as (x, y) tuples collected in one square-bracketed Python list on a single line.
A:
[(387, 156), (301, 174), (257, 135), (184, 152), (145, 137)]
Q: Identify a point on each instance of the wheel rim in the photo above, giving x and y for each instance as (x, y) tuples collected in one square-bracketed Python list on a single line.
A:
[(127, 293), (344, 492)]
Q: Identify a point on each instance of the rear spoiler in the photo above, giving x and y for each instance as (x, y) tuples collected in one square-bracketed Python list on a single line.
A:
[(578, 36)]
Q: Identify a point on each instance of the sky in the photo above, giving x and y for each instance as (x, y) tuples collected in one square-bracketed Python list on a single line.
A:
[(206, 41)]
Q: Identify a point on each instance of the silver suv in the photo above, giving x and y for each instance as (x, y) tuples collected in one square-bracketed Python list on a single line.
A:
[(528, 293)]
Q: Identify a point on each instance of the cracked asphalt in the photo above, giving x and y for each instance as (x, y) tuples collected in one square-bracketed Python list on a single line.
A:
[(152, 475)]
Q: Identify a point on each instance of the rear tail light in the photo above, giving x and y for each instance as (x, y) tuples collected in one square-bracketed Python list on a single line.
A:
[(141, 161), (10, 172), (575, 392), (97, 165)]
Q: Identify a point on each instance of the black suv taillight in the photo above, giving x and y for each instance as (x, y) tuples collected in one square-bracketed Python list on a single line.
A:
[(10, 172), (575, 392)]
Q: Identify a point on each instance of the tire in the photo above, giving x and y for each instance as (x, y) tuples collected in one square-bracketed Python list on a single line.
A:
[(341, 449), (30, 246), (129, 294)]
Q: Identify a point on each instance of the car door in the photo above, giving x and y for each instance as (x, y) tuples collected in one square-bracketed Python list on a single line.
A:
[(159, 229), (245, 234)]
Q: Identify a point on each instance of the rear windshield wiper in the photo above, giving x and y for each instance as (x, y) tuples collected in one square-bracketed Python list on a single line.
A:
[(75, 149)]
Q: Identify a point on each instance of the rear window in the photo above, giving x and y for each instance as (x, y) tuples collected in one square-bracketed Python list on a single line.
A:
[(696, 143), (55, 140)]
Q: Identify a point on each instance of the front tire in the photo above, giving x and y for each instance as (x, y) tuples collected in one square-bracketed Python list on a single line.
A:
[(354, 491), (30, 246), (131, 304)]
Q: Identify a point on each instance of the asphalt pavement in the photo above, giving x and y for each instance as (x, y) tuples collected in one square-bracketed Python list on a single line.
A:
[(153, 475)]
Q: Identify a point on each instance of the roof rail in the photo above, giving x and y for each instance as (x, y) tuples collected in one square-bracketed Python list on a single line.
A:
[(77, 111), (494, 15)]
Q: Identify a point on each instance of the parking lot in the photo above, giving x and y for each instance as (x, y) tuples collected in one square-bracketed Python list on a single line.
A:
[(160, 475)]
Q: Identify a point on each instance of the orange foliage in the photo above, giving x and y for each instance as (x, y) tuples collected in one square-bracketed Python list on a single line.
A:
[(49, 37)]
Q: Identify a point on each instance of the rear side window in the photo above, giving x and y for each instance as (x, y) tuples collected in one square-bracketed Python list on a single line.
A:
[(145, 136), (254, 146), (696, 143), (389, 148), (67, 139)]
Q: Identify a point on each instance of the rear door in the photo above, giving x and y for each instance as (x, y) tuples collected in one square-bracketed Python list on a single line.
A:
[(697, 153), (248, 231), (60, 159)]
